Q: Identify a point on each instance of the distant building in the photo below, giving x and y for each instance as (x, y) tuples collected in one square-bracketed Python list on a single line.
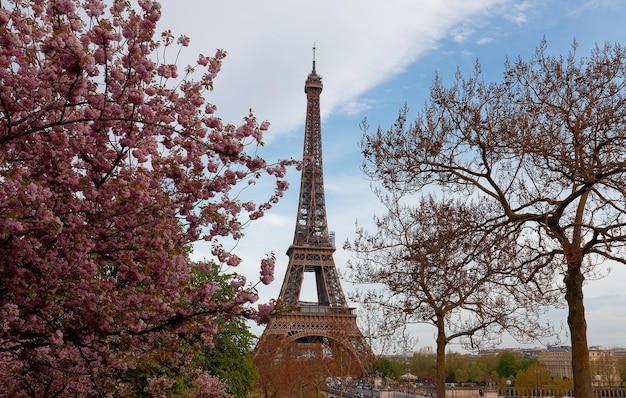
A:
[(619, 352), (425, 351), (603, 365), (558, 361)]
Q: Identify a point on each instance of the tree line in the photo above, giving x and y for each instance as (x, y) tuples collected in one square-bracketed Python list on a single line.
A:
[(506, 369)]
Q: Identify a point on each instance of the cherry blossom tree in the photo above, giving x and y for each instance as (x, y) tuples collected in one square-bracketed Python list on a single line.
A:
[(112, 164)]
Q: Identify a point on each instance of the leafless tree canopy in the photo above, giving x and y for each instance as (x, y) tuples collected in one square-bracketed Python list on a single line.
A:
[(544, 148), (435, 263)]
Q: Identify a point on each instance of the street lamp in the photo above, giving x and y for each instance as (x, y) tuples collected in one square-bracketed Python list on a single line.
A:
[(508, 388)]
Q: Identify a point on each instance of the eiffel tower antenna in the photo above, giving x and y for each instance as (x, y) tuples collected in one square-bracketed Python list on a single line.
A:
[(329, 319)]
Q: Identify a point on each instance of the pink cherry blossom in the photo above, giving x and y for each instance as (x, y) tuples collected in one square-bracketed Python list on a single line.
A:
[(112, 165), (56, 338), (267, 270), (183, 40)]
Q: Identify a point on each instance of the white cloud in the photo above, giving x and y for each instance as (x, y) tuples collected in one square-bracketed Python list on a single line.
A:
[(355, 107), (360, 44), (462, 33), (517, 13)]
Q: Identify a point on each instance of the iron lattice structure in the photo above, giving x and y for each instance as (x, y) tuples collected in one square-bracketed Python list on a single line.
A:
[(329, 320)]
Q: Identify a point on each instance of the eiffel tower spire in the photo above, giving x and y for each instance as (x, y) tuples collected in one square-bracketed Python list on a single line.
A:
[(329, 320), (311, 224)]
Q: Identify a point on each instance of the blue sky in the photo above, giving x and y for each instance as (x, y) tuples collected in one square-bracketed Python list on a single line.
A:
[(373, 56)]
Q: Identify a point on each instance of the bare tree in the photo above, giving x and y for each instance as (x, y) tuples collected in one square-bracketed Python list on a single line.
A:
[(281, 369), (534, 382), (545, 147), (437, 265), (296, 367), (604, 369)]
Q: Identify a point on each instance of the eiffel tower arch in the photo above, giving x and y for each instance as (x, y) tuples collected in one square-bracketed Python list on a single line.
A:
[(327, 326)]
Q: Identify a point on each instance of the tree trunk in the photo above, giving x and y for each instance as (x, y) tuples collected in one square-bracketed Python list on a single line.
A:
[(578, 330), (441, 359)]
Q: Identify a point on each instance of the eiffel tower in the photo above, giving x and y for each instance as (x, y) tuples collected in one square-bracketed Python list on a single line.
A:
[(329, 321)]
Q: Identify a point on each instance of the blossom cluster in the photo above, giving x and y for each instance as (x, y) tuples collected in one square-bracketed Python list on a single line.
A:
[(111, 165)]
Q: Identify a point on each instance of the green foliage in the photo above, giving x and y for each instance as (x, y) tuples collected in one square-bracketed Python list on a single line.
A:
[(231, 358), (477, 372), (423, 366), (528, 363), (384, 367), (461, 375), (463, 368), (507, 365), (530, 375), (454, 362)]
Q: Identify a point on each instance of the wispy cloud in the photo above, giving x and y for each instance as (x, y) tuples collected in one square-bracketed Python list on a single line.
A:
[(355, 107), (484, 40), (360, 44)]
